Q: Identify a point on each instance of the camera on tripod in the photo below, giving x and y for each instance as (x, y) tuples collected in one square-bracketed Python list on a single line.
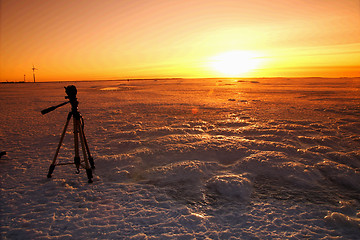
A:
[(88, 161), (71, 92)]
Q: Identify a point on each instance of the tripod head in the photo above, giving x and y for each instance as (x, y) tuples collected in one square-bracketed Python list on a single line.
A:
[(71, 92)]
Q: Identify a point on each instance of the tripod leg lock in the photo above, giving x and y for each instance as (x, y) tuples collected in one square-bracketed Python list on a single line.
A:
[(91, 161)]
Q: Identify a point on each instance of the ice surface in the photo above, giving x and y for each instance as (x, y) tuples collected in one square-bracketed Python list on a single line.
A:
[(185, 159), (233, 186)]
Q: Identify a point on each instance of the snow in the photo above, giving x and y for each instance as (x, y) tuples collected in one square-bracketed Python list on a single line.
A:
[(185, 159), (233, 186)]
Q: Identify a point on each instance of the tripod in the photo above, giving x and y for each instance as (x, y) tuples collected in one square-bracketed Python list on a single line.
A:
[(78, 122)]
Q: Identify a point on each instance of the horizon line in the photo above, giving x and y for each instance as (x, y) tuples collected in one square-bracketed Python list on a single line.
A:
[(174, 78)]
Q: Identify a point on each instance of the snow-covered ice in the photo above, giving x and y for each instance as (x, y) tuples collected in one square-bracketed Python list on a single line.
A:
[(185, 159)]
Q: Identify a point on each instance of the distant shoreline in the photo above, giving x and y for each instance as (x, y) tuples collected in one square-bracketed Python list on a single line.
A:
[(162, 79), (13, 82)]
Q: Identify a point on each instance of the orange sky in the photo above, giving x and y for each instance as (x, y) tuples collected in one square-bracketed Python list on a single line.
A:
[(113, 39)]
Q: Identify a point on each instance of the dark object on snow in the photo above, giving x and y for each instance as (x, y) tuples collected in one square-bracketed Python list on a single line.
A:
[(2, 154), (79, 135)]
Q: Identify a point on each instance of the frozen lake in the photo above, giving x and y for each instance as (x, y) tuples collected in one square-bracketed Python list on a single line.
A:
[(185, 159)]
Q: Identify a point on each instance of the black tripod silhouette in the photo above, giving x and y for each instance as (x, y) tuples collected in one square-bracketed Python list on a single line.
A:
[(78, 121)]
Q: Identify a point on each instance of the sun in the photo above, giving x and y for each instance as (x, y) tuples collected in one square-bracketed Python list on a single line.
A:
[(235, 63)]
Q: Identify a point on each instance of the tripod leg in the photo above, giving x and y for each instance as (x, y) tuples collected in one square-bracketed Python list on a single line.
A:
[(53, 164), (83, 146), (91, 159), (76, 144)]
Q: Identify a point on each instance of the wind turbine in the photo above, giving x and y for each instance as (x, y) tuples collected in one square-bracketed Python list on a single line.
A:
[(33, 69)]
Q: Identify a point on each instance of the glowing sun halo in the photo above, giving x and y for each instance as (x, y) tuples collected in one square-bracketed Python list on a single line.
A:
[(235, 63)]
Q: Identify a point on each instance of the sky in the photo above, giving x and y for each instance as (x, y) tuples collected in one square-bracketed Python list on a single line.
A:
[(119, 39)]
